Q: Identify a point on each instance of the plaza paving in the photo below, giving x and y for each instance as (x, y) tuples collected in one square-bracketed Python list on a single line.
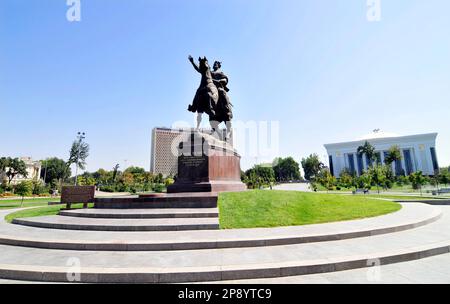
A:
[(432, 270), (335, 252)]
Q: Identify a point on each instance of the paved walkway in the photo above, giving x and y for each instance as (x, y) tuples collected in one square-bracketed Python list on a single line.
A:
[(293, 187), (410, 214), (327, 257), (432, 270)]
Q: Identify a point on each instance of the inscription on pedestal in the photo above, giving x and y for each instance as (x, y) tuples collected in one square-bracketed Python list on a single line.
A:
[(192, 168), (192, 161)]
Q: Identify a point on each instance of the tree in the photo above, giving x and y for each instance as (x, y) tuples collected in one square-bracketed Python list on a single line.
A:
[(115, 171), (4, 161), (369, 151), (311, 166), (394, 155), (444, 176), (287, 169), (85, 180), (417, 180), (135, 170), (78, 154), (38, 187), (3, 165), (23, 189), (16, 167), (54, 168), (346, 179), (326, 179), (259, 176), (378, 175), (365, 181)]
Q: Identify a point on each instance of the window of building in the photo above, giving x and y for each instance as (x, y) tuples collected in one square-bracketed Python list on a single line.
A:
[(378, 157), (398, 168), (408, 161), (351, 163), (385, 154), (330, 159), (369, 162), (359, 160), (434, 159)]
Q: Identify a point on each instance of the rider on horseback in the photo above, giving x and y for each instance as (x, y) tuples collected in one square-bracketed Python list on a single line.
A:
[(211, 97)]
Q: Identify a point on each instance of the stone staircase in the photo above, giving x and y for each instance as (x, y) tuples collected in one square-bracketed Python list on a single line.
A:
[(162, 244)]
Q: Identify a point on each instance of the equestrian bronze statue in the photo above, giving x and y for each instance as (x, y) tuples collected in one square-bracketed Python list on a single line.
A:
[(212, 96)]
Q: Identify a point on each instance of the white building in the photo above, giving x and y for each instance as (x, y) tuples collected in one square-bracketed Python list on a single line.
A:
[(418, 153), (33, 169)]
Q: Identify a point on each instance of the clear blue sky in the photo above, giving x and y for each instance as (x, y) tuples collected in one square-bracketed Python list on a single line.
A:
[(317, 66)]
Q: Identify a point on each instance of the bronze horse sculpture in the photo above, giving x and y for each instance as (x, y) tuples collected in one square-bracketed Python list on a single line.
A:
[(211, 96)]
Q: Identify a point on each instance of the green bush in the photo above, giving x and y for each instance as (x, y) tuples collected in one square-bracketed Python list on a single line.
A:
[(109, 189), (169, 181), (39, 188), (24, 188), (158, 188)]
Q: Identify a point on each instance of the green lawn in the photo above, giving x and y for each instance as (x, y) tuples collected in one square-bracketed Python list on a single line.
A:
[(40, 211), (265, 208), (15, 203)]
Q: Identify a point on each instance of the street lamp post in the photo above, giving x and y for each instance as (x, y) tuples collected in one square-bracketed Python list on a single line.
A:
[(80, 136)]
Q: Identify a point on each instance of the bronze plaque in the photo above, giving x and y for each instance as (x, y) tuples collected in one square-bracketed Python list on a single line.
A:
[(77, 194)]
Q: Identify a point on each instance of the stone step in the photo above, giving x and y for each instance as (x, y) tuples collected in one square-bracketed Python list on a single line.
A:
[(171, 201), (94, 224), (142, 213), (226, 264), (412, 215)]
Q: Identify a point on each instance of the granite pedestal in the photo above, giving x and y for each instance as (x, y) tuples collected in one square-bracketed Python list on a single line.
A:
[(207, 164)]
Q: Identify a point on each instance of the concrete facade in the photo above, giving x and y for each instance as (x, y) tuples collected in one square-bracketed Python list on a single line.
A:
[(418, 153)]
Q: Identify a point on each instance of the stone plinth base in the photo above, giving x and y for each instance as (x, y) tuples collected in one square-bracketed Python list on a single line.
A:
[(206, 164)]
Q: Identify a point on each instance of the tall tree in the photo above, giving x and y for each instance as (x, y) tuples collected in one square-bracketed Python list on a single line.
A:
[(368, 150), (326, 179), (23, 189), (378, 175), (54, 169), (394, 154), (4, 161), (78, 155), (16, 167), (287, 169), (444, 177), (311, 166), (417, 180), (115, 171), (263, 175), (135, 170)]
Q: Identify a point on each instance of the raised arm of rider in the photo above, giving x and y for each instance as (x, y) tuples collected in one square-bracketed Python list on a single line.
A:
[(191, 59)]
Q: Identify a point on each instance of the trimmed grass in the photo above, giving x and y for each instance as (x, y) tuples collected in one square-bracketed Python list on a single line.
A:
[(40, 211), (15, 203), (265, 208)]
